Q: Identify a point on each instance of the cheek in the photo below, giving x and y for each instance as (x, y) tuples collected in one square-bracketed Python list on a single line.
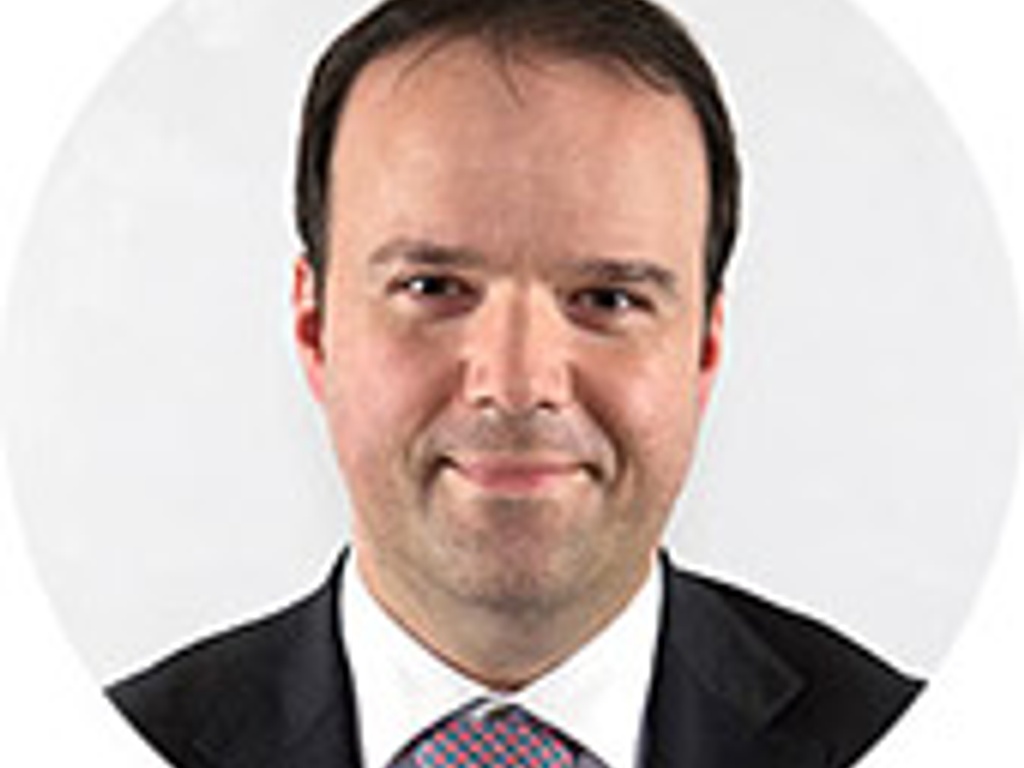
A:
[(380, 389), (649, 407)]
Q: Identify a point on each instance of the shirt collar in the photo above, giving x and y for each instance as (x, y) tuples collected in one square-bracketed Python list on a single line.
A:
[(597, 696)]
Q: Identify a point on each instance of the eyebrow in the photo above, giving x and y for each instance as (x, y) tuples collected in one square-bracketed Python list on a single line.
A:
[(424, 253), (416, 252), (626, 272)]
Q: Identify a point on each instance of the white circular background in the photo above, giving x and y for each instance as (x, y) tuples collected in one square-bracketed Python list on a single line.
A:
[(173, 474)]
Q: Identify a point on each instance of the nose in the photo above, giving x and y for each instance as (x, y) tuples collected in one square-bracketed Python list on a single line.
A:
[(516, 353)]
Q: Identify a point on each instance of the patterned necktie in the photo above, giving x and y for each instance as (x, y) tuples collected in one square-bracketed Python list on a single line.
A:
[(508, 739)]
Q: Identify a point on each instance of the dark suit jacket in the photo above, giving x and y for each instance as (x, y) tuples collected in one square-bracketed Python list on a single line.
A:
[(738, 683)]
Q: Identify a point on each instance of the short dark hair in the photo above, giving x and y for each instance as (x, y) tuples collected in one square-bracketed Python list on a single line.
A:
[(632, 34)]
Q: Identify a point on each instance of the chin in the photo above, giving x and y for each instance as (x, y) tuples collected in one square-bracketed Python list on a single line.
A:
[(516, 595), (518, 574)]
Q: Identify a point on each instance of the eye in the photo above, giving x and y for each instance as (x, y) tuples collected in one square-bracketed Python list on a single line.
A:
[(434, 286), (438, 292), (607, 303)]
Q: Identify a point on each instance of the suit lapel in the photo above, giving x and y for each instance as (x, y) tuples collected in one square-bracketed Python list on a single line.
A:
[(301, 711), (717, 689)]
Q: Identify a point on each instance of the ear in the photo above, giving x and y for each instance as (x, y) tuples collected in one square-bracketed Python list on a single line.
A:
[(307, 325), (711, 350)]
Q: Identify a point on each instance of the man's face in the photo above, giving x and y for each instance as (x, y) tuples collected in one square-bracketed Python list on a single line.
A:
[(513, 353)]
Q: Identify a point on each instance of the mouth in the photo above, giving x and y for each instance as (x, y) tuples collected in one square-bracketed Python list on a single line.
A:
[(516, 475)]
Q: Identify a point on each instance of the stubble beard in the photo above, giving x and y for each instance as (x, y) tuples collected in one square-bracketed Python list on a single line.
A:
[(523, 558)]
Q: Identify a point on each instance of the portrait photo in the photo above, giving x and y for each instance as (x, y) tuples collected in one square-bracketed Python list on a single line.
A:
[(599, 383)]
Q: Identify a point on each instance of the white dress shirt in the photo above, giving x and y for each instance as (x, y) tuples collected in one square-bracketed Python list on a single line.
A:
[(597, 696)]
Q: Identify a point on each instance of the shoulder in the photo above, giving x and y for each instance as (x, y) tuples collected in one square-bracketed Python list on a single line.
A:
[(228, 661), (844, 695), (277, 670), (827, 660)]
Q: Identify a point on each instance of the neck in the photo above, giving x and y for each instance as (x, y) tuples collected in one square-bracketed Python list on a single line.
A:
[(502, 644)]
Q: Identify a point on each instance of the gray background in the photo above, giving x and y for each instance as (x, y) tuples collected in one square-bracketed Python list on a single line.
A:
[(171, 468)]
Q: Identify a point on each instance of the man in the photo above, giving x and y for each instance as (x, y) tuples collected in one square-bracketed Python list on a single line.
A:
[(517, 214)]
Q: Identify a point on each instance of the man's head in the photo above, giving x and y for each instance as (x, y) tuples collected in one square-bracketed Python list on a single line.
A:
[(509, 308), (632, 36)]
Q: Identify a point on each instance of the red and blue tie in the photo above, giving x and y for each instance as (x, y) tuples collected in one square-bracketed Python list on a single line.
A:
[(507, 739)]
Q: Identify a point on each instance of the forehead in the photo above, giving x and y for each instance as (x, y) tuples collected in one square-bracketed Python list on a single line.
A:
[(447, 135), (434, 94)]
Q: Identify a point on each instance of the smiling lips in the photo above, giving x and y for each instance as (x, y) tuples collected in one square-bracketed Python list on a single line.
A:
[(515, 475)]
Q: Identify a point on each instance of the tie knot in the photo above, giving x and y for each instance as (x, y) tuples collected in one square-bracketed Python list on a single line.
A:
[(509, 738)]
